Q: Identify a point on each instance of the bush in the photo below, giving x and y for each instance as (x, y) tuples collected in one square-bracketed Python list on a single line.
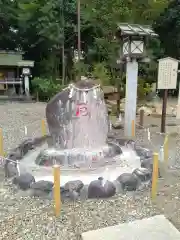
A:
[(143, 89), (46, 88)]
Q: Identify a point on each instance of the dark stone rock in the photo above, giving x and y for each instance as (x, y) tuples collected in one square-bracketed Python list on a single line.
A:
[(14, 154), (73, 195), (121, 142), (148, 163), (114, 150), (143, 174), (84, 192), (40, 140), (74, 185), (10, 169), (96, 189), (118, 186), (143, 152), (66, 195), (24, 181), (110, 189), (129, 181), (117, 125), (39, 193), (28, 193), (26, 146), (42, 185), (131, 144)]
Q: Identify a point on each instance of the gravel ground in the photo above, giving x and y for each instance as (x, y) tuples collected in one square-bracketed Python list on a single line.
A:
[(15, 116), (27, 218)]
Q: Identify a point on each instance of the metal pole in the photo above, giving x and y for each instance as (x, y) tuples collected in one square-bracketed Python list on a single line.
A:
[(63, 55), (63, 65), (163, 117), (79, 28)]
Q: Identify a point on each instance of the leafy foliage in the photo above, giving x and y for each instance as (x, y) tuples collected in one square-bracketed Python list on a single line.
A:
[(41, 27), (169, 22), (46, 88), (101, 73)]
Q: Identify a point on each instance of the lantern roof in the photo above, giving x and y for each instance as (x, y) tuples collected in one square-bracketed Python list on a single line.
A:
[(127, 29)]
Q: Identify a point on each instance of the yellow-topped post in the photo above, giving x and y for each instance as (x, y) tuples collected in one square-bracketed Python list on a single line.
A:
[(133, 128), (1, 143), (56, 191), (155, 175), (43, 127)]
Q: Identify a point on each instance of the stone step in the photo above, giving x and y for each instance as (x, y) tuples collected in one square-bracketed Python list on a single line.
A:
[(156, 228)]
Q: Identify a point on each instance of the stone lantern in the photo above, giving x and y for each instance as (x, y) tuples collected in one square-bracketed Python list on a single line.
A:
[(133, 38)]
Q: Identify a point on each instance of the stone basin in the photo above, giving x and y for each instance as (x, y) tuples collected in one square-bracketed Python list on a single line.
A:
[(108, 168)]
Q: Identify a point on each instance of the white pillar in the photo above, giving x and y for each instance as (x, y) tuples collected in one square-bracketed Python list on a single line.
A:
[(178, 105), (131, 95), (26, 85)]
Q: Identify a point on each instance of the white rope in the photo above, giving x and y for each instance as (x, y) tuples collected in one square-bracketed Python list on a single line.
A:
[(84, 89), (10, 160)]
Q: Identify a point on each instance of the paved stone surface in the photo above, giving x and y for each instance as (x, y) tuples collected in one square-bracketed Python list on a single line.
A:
[(156, 228)]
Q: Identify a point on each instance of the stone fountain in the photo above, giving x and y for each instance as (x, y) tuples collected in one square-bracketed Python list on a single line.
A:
[(78, 125)]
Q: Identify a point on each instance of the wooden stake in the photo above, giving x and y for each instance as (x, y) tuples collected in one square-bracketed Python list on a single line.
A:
[(155, 176), (133, 128), (163, 117), (43, 127), (141, 118), (57, 192), (1, 143)]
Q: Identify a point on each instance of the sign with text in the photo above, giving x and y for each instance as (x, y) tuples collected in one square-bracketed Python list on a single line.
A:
[(167, 73)]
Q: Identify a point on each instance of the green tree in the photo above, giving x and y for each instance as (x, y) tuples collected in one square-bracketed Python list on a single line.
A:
[(145, 12), (167, 26), (8, 25), (42, 32)]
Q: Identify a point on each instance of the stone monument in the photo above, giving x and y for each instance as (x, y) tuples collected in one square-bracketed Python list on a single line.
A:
[(77, 117)]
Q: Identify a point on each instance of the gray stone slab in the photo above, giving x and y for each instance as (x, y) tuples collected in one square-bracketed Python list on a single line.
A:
[(154, 228)]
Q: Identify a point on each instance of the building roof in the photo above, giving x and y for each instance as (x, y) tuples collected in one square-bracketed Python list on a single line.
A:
[(13, 59), (9, 58), (136, 29)]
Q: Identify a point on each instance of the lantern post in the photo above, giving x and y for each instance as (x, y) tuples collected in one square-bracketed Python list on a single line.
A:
[(133, 37)]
